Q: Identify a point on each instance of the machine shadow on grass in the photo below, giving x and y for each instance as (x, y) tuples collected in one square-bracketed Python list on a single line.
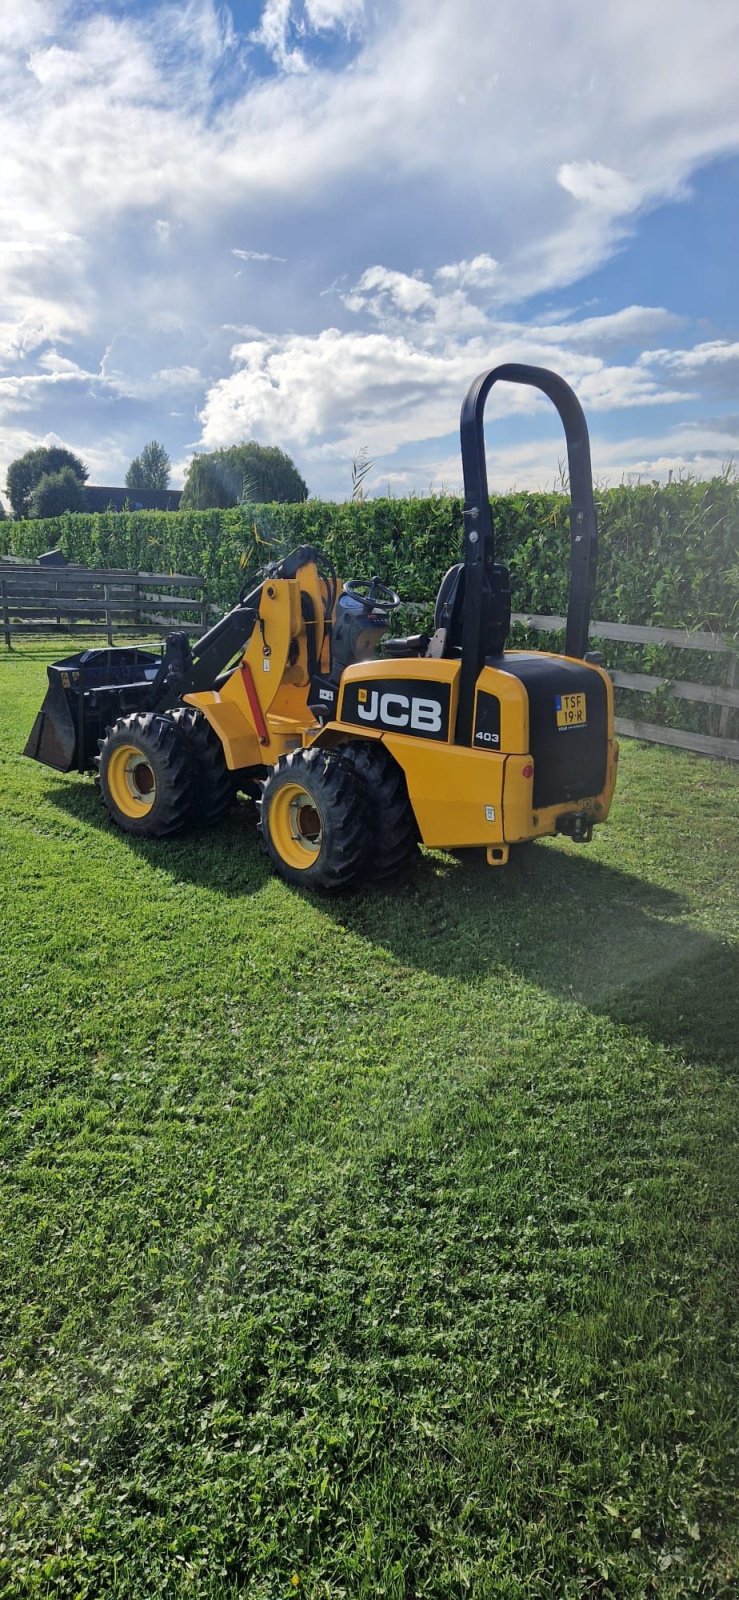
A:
[(584, 931), (225, 860), (580, 929)]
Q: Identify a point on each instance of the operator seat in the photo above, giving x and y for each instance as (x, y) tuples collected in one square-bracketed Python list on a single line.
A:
[(447, 615)]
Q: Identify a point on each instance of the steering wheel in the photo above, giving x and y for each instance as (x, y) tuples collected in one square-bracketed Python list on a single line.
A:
[(370, 592)]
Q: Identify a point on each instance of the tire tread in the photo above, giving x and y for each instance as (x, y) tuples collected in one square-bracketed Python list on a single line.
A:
[(394, 830), (168, 746), (214, 790), (345, 806)]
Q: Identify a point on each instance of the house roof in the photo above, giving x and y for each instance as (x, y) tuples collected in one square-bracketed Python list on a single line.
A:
[(100, 498)]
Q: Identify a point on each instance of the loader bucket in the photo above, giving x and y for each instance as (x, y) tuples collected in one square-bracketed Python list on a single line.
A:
[(53, 737), (86, 694)]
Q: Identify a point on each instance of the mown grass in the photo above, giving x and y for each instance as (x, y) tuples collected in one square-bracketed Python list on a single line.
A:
[(375, 1248)]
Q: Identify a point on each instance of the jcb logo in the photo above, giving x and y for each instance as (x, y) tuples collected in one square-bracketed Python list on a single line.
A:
[(408, 705), (393, 710)]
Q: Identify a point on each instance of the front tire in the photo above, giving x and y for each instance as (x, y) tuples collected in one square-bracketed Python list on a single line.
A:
[(214, 787), (145, 773), (314, 821)]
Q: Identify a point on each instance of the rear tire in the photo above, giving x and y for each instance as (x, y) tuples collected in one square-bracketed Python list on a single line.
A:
[(214, 787), (314, 821), (393, 827), (145, 772)]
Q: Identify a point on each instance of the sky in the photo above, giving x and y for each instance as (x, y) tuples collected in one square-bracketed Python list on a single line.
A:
[(313, 222)]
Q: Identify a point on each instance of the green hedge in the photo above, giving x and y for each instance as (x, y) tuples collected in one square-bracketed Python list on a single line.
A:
[(668, 554)]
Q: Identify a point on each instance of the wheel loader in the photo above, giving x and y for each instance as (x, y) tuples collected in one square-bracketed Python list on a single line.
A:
[(354, 757)]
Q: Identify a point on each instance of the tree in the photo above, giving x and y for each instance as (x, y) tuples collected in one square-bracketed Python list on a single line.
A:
[(253, 472), (151, 469), (208, 483), (26, 471), (55, 493)]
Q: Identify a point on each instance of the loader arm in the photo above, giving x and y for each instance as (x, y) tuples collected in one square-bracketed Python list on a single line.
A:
[(229, 637), (89, 691)]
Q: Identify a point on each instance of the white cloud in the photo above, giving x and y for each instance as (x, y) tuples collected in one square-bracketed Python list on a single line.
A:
[(711, 368), (628, 325), (398, 299), (123, 125), (177, 378), (21, 26), (599, 186), (702, 451), (381, 289), (320, 393), (479, 273), (273, 33), (324, 14), (395, 299), (280, 20), (334, 385), (61, 366), (127, 368), (36, 322), (118, 120), (21, 392), (256, 255), (716, 352)]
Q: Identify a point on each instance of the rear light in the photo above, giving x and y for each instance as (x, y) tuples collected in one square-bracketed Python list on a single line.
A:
[(527, 771)]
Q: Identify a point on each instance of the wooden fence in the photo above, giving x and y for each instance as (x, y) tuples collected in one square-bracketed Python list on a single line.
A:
[(97, 600), (726, 697)]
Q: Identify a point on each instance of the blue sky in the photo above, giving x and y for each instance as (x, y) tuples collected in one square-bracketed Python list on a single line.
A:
[(312, 222)]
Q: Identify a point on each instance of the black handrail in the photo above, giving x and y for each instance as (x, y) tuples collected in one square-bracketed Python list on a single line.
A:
[(479, 535)]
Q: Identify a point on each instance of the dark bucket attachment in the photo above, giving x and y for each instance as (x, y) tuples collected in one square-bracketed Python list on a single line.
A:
[(86, 694), (53, 737)]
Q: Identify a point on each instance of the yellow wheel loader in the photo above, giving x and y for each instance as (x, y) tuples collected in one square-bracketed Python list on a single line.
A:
[(353, 757)]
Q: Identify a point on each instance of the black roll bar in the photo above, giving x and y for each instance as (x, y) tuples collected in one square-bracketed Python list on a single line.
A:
[(479, 534)]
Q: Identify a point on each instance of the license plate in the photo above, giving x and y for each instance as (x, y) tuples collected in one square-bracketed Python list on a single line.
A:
[(570, 710)]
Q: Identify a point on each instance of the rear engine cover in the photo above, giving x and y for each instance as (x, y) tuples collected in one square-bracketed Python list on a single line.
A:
[(570, 756)]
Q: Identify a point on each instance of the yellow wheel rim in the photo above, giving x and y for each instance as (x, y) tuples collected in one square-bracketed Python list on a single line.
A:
[(131, 781), (295, 826)]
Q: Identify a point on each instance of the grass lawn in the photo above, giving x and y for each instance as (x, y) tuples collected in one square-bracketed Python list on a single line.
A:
[(382, 1247)]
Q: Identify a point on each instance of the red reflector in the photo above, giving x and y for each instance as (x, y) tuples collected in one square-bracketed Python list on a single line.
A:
[(254, 706), (527, 771)]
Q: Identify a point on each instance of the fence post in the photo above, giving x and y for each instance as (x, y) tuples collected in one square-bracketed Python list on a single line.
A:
[(725, 713), (6, 615), (108, 623)]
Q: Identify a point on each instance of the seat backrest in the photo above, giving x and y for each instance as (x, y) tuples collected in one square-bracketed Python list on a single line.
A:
[(450, 608)]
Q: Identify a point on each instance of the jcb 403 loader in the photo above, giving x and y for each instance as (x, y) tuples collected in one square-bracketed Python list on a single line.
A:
[(353, 757)]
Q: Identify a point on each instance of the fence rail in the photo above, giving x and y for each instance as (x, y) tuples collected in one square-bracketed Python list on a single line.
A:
[(706, 744), (631, 633), (98, 599), (725, 696), (36, 599)]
